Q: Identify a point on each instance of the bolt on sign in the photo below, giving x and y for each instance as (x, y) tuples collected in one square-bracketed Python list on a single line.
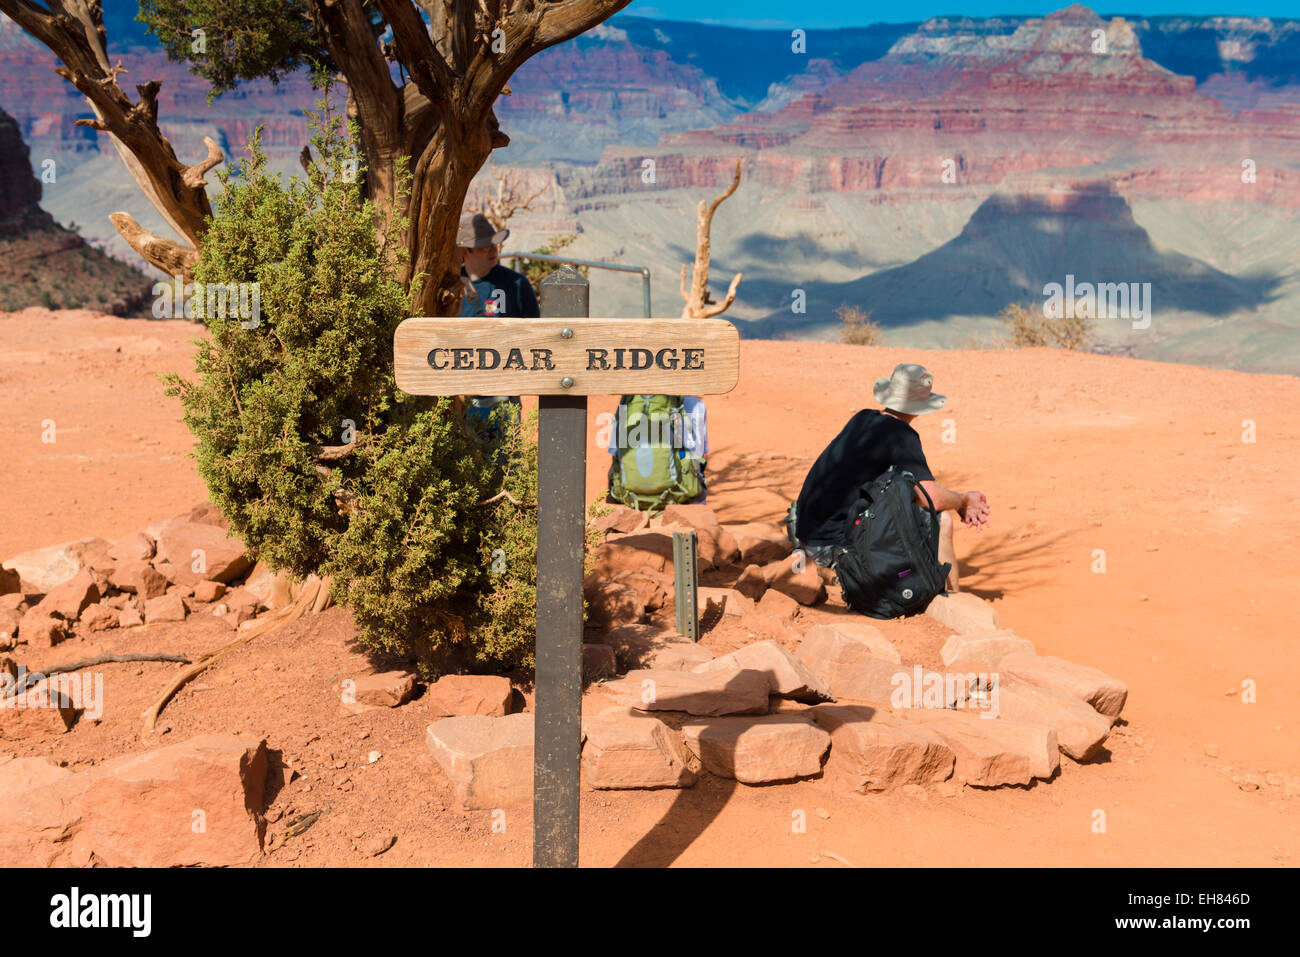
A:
[(566, 356)]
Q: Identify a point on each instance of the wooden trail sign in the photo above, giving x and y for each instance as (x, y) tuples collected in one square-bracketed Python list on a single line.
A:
[(562, 359), (566, 356)]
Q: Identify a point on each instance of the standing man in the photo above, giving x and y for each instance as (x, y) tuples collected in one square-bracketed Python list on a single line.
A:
[(868, 445), (491, 290)]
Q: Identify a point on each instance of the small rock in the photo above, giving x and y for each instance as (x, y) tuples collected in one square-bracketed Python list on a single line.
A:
[(650, 646), (790, 677), (377, 690), (129, 617), (42, 631), (99, 617), (716, 693), (964, 613), (136, 547), (69, 600), (380, 843), (598, 662), (140, 579), (797, 577), (488, 760), (777, 603), (872, 750), (981, 652), (199, 551), (751, 583), (373, 756), (164, 608), (854, 631), (453, 695), (1106, 694), (208, 591), (611, 603)]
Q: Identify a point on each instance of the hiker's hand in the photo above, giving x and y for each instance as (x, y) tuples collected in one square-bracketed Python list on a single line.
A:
[(975, 511)]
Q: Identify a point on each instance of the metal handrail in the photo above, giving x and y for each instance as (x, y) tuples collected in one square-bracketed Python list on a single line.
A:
[(569, 260)]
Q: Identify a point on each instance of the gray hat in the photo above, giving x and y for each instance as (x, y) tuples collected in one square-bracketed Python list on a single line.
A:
[(476, 232), (908, 390)]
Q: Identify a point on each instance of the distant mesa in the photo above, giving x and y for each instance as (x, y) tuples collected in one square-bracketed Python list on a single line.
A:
[(1011, 248), (43, 264)]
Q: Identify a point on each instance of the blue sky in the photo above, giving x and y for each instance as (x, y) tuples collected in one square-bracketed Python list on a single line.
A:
[(848, 13)]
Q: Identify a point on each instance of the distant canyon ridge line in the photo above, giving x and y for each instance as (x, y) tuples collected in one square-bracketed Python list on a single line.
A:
[(930, 173)]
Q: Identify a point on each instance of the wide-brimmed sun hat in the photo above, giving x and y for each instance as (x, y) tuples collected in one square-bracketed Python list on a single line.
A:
[(475, 232), (907, 390)]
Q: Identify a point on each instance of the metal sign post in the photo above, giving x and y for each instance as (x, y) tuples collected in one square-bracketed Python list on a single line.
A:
[(562, 360), (686, 584), (561, 494)]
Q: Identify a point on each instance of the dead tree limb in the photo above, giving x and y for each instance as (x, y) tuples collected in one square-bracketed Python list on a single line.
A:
[(510, 197), (74, 31), (36, 677), (699, 305), (307, 599)]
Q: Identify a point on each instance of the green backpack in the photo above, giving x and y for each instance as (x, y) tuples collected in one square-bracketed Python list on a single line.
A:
[(654, 466)]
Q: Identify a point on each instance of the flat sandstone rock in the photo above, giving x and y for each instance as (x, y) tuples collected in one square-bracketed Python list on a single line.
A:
[(715, 693), (628, 749), (1080, 731), (991, 752), (871, 750), (790, 677), (758, 749), (964, 613), (1105, 694), (489, 761)]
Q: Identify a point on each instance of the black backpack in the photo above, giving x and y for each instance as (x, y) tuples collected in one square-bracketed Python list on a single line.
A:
[(888, 565)]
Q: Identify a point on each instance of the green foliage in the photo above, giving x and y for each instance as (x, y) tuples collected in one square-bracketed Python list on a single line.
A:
[(239, 41), (394, 510), (1028, 327)]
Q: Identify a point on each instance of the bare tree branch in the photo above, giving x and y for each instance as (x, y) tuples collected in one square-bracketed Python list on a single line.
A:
[(173, 258), (509, 198), (699, 305), (74, 31)]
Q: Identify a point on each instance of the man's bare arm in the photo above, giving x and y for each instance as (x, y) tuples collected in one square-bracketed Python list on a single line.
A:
[(973, 507), (943, 499)]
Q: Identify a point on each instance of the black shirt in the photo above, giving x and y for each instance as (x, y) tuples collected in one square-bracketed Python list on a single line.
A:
[(868, 445)]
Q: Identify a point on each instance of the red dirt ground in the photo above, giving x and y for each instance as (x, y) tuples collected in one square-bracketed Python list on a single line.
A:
[(1075, 453)]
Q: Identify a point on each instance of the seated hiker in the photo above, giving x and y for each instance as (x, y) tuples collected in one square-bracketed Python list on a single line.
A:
[(491, 290), (866, 447), (660, 448)]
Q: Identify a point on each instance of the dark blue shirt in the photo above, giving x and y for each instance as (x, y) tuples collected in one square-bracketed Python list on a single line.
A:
[(502, 292)]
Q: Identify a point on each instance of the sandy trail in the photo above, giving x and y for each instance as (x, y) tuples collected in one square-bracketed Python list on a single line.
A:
[(1077, 453)]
